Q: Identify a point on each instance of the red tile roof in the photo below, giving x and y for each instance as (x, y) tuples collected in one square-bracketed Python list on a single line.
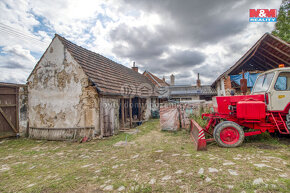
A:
[(155, 80), (108, 76)]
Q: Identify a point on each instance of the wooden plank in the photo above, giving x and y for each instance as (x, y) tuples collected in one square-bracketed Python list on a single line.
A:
[(281, 59), (126, 110), (263, 68), (64, 128), (139, 109), (130, 111), (101, 117), (12, 93), (264, 62), (273, 61), (6, 136), (277, 49), (123, 112), (268, 58), (142, 107), (257, 65), (8, 105), (8, 121), (17, 109)]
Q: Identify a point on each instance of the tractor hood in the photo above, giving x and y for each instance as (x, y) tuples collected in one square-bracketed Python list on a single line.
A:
[(222, 103)]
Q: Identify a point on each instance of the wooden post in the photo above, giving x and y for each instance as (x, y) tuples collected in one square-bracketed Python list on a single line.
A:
[(101, 118), (122, 112), (125, 110), (130, 111), (17, 109), (139, 109)]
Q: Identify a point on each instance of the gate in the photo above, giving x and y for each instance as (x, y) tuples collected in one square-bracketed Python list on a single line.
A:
[(9, 125)]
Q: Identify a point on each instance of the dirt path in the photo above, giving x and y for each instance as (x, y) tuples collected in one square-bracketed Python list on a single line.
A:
[(150, 161)]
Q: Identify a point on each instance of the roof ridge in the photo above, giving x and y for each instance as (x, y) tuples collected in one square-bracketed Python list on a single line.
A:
[(97, 67), (63, 38)]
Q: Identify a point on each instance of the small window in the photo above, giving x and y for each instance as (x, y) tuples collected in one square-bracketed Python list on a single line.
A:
[(283, 82)]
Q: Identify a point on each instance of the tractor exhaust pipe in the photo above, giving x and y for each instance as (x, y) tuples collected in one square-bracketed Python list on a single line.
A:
[(243, 83)]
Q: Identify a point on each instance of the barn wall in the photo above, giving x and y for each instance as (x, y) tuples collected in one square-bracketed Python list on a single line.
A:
[(59, 94)]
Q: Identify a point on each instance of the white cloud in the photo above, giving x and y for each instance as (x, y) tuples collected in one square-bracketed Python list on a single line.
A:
[(89, 24), (18, 51)]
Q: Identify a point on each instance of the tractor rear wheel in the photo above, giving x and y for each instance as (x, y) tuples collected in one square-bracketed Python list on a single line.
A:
[(229, 134)]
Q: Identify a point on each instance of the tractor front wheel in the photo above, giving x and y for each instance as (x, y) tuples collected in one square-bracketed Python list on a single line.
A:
[(228, 134)]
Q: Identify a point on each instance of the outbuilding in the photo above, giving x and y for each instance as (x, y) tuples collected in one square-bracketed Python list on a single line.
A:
[(266, 54), (74, 92)]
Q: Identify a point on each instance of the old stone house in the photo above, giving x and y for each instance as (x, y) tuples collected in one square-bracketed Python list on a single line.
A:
[(74, 92)]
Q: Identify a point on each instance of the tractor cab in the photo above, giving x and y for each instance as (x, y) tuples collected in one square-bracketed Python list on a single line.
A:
[(275, 85)]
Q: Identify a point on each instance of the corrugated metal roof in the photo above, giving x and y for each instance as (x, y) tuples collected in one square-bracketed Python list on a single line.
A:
[(192, 90)]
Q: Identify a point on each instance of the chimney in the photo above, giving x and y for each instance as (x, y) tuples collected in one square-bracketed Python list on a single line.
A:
[(163, 79), (134, 67), (172, 79), (198, 83)]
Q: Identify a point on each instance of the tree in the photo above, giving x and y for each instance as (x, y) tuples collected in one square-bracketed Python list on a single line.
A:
[(282, 25)]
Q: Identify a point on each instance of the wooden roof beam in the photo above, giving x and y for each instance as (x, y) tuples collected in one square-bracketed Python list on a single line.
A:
[(260, 67), (274, 62), (277, 49), (266, 66), (264, 62), (281, 59), (242, 67)]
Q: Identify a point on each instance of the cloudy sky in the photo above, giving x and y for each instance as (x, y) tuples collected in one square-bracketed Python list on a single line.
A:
[(182, 37)]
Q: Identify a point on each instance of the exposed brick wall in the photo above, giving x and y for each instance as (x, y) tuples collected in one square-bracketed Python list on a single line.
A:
[(228, 85)]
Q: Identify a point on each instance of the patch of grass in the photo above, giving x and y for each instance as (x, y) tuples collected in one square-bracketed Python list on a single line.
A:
[(199, 120), (47, 166), (263, 137)]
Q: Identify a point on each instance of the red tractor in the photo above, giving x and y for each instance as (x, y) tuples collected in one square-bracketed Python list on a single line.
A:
[(236, 117)]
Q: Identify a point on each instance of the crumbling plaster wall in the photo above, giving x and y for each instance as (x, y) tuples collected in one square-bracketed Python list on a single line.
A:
[(59, 93), (221, 87), (23, 110)]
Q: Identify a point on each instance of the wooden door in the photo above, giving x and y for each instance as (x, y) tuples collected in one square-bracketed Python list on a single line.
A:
[(108, 118), (8, 111)]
